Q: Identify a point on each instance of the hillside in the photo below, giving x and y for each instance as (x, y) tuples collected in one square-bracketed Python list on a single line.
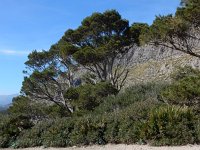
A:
[(152, 64), (2, 108)]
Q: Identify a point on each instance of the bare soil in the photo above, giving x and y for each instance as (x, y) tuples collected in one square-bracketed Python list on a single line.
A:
[(119, 147)]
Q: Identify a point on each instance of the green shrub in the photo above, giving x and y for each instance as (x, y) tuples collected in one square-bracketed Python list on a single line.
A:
[(183, 72), (11, 127), (89, 130), (131, 95), (116, 119), (123, 126), (170, 125), (72, 93), (33, 136), (54, 111), (184, 91), (129, 131), (57, 135), (197, 129), (89, 96)]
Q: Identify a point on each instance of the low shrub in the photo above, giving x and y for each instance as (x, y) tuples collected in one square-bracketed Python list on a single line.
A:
[(183, 92), (11, 127), (170, 125), (135, 116), (136, 93), (57, 135), (120, 126), (197, 129), (185, 88), (123, 126), (118, 122), (89, 130), (183, 72), (33, 136), (89, 96)]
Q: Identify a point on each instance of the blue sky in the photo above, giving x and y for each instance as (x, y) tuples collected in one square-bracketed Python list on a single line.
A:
[(26, 25)]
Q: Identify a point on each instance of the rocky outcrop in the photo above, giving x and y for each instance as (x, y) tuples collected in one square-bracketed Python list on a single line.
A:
[(157, 63)]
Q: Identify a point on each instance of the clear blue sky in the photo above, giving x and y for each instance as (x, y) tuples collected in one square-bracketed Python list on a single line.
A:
[(26, 25)]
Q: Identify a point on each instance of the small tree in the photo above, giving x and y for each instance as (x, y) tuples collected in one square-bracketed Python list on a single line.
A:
[(35, 110), (180, 32), (103, 46), (138, 31), (190, 12), (50, 75)]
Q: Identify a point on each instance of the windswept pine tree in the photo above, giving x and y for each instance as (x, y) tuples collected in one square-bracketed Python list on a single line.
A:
[(101, 45), (180, 32)]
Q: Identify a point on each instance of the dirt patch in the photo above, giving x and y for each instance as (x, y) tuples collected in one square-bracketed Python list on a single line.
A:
[(120, 147)]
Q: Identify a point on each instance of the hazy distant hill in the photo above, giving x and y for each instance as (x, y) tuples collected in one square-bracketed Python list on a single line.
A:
[(6, 99), (4, 108)]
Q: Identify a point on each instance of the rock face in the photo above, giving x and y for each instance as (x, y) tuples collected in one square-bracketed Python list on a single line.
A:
[(156, 64)]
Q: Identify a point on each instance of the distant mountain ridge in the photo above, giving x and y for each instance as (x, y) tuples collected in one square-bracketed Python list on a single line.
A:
[(6, 99), (4, 108)]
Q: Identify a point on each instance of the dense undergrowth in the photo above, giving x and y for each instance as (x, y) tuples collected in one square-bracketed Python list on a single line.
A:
[(153, 113)]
